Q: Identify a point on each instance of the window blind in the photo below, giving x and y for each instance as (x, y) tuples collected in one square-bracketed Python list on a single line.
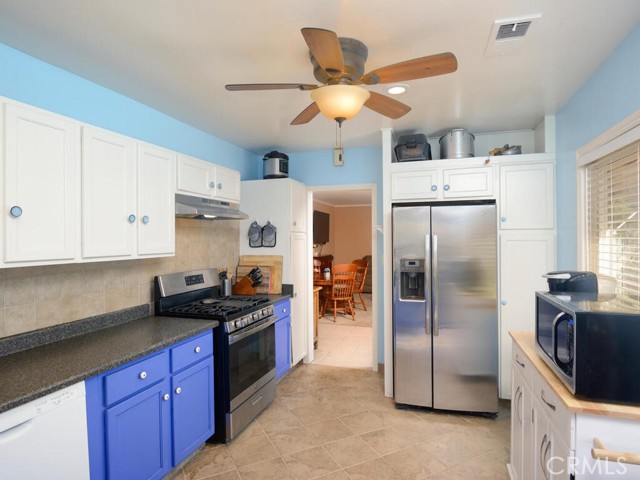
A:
[(613, 230)]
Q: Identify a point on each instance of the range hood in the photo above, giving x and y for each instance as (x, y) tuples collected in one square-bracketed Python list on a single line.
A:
[(188, 206)]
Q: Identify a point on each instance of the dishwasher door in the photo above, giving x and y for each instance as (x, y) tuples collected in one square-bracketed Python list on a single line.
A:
[(46, 438)]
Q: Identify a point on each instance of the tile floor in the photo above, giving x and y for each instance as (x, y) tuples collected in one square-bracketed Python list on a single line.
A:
[(335, 424), (346, 343)]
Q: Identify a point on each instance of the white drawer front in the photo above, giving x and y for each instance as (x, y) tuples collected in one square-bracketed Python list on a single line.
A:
[(556, 411)]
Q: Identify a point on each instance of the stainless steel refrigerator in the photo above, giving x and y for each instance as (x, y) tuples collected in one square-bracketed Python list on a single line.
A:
[(445, 316)]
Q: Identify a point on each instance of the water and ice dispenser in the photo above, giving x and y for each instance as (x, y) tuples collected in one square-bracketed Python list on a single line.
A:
[(412, 285)]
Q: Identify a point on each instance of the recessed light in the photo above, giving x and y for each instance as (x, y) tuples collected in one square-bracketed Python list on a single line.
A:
[(397, 89)]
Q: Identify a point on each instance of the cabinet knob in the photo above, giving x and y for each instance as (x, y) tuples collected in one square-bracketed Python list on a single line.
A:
[(434, 188), (165, 397), (295, 223), (447, 188), (284, 310), (178, 391), (132, 218), (503, 219), (145, 219), (212, 184), (197, 349), (143, 375), (503, 302), (15, 211), (220, 186)]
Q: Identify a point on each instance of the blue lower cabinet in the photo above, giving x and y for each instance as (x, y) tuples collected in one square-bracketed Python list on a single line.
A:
[(193, 420), (137, 439), (283, 337), (147, 416)]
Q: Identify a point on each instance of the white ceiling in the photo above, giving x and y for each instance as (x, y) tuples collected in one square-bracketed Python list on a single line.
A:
[(343, 197), (176, 56)]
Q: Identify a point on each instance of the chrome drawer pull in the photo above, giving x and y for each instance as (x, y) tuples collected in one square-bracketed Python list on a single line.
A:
[(178, 391), (518, 361), (165, 397), (550, 405), (143, 375)]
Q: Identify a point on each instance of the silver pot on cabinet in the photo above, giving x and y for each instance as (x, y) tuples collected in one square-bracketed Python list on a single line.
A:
[(458, 143)]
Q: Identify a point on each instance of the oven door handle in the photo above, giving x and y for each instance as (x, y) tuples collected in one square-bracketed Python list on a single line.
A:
[(266, 323)]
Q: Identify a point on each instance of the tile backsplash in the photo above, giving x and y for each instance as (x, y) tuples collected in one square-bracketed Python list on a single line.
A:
[(38, 297)]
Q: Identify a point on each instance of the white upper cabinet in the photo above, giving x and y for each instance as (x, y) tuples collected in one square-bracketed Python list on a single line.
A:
[(227, 184), (109, 213), (470, 179), (41, 186), (527, 196), (196, 177), (128, 204), (156, 201), (467, 182), (205, 179), (298, 207)]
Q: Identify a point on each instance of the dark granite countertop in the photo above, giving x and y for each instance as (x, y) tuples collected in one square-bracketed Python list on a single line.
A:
[(32, 373)]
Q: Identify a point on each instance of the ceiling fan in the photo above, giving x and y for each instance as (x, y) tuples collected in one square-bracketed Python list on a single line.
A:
[(338, 63)]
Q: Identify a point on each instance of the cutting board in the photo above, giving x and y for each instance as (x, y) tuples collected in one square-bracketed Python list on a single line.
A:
[(272, 262)]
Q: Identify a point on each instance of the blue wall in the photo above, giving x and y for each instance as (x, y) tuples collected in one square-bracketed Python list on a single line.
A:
[(34, 82), (361, 166), (607, 97)]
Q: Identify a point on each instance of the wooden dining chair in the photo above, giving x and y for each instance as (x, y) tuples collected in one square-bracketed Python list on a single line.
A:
[(343, 277), (361, 274)]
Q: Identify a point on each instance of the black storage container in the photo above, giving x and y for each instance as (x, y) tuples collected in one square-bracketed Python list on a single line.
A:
[(570, 281), (413, 147)]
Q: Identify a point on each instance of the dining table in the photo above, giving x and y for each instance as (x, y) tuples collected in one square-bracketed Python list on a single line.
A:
[(320, 281)]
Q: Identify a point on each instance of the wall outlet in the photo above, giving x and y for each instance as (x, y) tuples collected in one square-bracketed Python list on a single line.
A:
[(338, 157)]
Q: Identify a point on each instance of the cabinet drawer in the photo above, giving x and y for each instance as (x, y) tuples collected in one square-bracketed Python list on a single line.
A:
[(282, 309), (191, 351), (135, 377), (522, 364), (555, 410)]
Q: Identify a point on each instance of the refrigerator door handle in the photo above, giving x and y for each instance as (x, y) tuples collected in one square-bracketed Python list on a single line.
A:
[(434, 286), (427, 276)]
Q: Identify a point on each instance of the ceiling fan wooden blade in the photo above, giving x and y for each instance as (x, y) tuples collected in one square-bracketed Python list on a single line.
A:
[(306, 115), (386, 106), (325, 47), (269, 86), (412, 69)]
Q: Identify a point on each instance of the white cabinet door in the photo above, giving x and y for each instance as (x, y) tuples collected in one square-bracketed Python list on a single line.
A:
[(298, 207), (524, 257), (156, 201), (541, 446), (474, 182), (558, 462), (527, 196), (415, 185), (108, 194), (41, 186), (227, 184), (196, 177), (299, 320)]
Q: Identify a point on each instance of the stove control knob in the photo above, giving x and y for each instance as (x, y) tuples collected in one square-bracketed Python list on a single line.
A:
[(255, 316)]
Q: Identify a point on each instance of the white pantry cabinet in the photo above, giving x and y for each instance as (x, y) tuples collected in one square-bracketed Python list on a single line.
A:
[(524, 257), (205, 179), (41, 186), (128, 206), (283, 202)]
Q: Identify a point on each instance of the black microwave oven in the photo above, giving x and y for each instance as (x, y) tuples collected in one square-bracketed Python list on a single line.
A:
[(592, 343)]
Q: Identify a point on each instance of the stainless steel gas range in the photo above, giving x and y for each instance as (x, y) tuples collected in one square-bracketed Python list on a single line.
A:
[(244, 343)]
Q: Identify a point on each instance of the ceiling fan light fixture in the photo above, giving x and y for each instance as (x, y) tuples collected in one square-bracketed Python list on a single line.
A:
[(397, 89), (340, 101)]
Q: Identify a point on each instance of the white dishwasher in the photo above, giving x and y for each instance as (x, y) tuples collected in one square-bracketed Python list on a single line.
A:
[(46, 438)]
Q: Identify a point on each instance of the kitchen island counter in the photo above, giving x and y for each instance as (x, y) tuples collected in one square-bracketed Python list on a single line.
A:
[(29, 374)]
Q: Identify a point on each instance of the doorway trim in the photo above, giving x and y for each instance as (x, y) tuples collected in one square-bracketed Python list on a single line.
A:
[(373, 189)]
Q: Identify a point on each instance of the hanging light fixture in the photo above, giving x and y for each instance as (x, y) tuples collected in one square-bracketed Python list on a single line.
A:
[(340, 102)]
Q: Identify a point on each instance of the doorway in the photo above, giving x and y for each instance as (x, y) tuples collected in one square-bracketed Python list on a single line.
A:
[(348, 342)]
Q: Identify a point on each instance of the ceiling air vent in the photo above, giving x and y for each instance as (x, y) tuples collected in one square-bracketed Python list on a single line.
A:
[(507, 35)]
